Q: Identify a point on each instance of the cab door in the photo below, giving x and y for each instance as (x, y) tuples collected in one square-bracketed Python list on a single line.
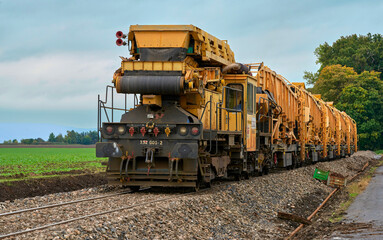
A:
[(233, 114), (250, 118)]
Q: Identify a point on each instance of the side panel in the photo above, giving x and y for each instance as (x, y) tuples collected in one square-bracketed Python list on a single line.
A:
[(211, 114)]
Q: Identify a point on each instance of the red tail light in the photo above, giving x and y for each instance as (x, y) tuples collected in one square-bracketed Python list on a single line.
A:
[(109, 130), (195, 131), (143, 131), (156, 131), (131, 131)]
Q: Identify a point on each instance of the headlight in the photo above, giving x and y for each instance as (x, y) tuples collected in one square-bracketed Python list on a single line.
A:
[(109, 130), (195, 131), (183, 131), (121, 130)]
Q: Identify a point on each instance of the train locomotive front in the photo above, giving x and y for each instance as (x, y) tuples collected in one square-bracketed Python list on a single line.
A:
[(150, 144), (160, 141)]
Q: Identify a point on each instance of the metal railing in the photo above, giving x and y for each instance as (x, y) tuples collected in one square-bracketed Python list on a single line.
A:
[(265, 120), (103, 107)]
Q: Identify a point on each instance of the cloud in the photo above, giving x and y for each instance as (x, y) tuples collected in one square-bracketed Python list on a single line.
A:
[(55, 81), (288, 51)]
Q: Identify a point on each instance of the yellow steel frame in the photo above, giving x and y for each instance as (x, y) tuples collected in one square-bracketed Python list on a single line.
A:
[(207, 46)]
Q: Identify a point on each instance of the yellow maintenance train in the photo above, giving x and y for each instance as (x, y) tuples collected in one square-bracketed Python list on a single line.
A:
[(199, 115)]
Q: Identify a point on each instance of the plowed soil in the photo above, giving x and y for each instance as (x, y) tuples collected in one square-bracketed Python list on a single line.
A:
[(38, 187)]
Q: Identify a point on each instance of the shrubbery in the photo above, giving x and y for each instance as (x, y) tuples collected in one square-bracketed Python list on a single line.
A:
[(71, 137)]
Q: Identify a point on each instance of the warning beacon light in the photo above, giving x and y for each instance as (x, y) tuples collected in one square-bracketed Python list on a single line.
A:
[(119, 34), (119, 42)]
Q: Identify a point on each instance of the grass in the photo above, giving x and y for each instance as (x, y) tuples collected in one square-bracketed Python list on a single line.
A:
[(353, 190), (21, 163), (379, 152)]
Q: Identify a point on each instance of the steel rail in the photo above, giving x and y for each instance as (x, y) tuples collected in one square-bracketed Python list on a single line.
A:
[(96, 214), (66, 203), (313, 214), (61, 204)]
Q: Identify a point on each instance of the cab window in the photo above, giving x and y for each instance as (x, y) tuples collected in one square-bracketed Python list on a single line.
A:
[(234, 96), (249, 98)]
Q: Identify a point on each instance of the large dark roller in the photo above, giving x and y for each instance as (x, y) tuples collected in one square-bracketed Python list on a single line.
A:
[(164, 85)]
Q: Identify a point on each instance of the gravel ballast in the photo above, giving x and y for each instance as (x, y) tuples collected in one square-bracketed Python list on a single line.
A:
[(230, 210)]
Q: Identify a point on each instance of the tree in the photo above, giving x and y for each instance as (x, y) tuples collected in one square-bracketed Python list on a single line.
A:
[(363, 101), (51, 138), (27, 141), (70, 137), (94, 136), (87, 140), (362, 53), (310, 77), (73, 137), (59, 138), (15, 141), (332, 79), (350, 75)]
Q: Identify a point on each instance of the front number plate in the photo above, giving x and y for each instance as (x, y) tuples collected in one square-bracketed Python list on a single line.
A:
[(151, 142)]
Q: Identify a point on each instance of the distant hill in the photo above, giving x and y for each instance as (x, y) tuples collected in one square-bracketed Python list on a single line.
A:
[(34, 130)]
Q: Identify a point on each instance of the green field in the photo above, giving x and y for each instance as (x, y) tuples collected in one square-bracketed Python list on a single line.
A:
[(379, 152), (16, 163)]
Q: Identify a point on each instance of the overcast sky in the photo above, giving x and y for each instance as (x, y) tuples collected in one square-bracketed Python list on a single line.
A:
[(56, 56)]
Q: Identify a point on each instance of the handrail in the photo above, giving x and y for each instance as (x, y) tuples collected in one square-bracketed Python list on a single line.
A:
[(260, 116), (103, 105), (210, 137), (204, 108)]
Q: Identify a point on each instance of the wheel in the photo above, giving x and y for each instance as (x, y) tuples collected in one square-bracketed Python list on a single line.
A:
[(134, 188), (237, 177), (296, 163), (266, 170), (197, 185)]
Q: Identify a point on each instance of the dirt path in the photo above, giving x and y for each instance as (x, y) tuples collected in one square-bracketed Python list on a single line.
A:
[(366, 211)]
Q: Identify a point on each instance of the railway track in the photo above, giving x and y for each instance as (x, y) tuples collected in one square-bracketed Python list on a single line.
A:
[(94, 214), (22, 224), (61, 204), (216, 184)]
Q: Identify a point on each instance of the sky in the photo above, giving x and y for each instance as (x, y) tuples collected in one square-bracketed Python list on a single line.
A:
[(57, 56)]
